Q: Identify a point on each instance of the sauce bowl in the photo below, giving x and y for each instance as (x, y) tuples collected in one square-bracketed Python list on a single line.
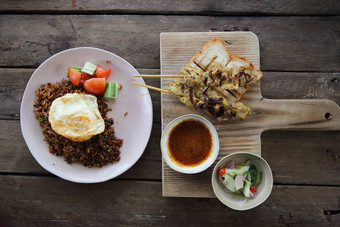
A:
[(189, 169)]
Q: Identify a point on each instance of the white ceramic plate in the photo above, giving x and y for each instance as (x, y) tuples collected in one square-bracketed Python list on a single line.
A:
[(134, 128)]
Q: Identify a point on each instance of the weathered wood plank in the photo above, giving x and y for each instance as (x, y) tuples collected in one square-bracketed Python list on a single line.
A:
[(206, 7), (45, 201), (295, 156), (292, 85), (287, 43)]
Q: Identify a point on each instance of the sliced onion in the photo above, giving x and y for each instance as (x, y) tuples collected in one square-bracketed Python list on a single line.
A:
[(239, 181), (230, 165)]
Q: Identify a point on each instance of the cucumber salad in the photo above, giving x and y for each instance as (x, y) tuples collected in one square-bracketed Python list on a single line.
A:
[(242, 180)]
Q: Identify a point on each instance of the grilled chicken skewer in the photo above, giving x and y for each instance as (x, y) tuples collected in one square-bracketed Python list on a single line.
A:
[(214, 81), (209, 99)]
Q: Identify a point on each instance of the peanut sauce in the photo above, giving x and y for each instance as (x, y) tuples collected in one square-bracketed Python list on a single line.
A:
[(190, 143)]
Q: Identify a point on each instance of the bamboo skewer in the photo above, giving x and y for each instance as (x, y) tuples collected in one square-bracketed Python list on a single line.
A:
[(162, 76), (151, 87)]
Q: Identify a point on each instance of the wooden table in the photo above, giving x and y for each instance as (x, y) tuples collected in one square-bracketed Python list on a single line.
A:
[(300, 59)]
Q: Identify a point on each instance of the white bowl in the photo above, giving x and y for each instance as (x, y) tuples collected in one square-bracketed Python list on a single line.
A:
[(239, 202), (190, 169)]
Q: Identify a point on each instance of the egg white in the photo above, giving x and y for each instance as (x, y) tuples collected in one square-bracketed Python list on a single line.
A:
[(76, 117)]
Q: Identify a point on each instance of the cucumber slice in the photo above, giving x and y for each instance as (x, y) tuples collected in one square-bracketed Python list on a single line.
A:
[(242, 170), (239, 181), (246, 189), (230, 172), (89, 68), (258, 179), (111, 90), (248, 175), (247, 163), (77, 68), (229, 182)]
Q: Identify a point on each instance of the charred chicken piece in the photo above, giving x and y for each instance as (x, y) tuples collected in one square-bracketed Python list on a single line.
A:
[(202, 91)]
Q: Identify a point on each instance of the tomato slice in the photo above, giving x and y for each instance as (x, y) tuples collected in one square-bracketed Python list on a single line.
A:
[(221, 171), (95, 86), (102, 73), (253, 188), (99, 67), (85, 76), (74, 76)]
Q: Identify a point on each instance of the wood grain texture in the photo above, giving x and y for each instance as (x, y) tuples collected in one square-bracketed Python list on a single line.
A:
[(229, 7), (295, 156), (136, 38), (235, 136), (294, 85), (46, 201), (300, 55)]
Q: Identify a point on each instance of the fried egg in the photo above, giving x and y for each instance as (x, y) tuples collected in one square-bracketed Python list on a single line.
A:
[(76, 117)]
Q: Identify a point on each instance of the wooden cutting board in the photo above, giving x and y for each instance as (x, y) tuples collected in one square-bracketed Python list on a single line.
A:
[(235, 136)]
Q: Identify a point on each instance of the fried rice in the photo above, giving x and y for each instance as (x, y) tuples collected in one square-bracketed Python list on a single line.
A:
[(100, 150)]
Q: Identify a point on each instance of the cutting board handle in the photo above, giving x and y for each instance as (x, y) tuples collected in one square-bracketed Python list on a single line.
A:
[(295, 114)]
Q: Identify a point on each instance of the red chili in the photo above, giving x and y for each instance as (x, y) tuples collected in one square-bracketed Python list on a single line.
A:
[(253, 189), (221, 171)]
